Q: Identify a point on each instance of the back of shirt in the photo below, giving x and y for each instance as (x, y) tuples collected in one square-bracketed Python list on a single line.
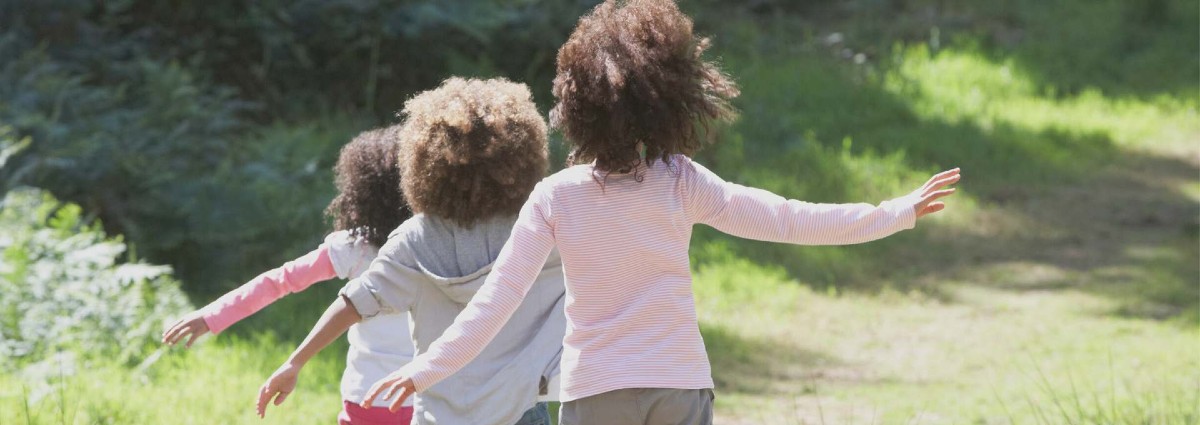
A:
[(432, 268), (631, 320), (376, 346), (624, 243)]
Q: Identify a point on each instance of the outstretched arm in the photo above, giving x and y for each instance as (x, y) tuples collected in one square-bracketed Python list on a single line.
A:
[(266, 288), (761, 215), (336, 321)]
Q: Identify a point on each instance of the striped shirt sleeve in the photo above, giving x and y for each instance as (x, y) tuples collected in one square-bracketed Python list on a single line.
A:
[(761, 215), (519, 263)]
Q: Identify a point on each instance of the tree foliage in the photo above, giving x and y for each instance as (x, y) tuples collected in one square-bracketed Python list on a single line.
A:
[(64, 288), (161, 118)]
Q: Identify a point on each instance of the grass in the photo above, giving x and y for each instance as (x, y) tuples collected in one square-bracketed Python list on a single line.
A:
[(1062, 285), (788, 354), (214, 383)]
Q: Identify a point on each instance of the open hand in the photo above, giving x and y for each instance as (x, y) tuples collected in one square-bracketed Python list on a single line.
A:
[(281, 383), (396, 384), (933, 190), (191, 324)]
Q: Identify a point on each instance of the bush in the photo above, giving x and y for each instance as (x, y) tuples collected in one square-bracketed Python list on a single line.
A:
[(64, 290)]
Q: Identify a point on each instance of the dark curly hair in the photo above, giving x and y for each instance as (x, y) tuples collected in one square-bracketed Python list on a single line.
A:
[(632, 73), (369, 202), (472, 149)]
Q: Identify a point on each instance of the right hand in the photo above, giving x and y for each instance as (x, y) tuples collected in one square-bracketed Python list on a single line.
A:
[(929, 193), (278, 386), (192, 325), (395, 384)]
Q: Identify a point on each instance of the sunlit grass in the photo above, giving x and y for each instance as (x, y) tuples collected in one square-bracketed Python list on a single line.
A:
[(962, 86), (1027, 324), (991, 356), (216, 382)]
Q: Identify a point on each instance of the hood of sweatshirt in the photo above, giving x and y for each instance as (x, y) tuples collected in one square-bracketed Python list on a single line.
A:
[(457, 260)]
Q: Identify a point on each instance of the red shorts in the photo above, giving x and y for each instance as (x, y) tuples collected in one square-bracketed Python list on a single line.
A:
[(353, 414)]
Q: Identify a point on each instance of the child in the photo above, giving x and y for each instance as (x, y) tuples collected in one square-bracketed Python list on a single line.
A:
[(635, 99), (368, 206), (471, 152)]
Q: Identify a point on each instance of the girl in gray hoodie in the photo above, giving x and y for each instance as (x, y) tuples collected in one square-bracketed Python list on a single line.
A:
[(472, 151)]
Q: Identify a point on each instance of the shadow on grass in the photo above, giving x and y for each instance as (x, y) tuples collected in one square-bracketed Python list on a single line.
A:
[(760, 366), (1120, 47), (1069, 46), (1114, 219), (1123, 233)]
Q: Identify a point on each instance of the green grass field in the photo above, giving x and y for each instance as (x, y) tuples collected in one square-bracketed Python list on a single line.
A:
[(1061, 286)]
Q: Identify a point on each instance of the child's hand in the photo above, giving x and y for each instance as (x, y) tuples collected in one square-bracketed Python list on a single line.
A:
[(192, 324), (396, 384), (281, 383), (933, 190)]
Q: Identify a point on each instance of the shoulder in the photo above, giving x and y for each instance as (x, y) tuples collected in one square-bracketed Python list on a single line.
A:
[(350, 254), (569, 176), (692, 172), (345, 240), (685, 165), (415, 232), (562, 180), (408, 227)]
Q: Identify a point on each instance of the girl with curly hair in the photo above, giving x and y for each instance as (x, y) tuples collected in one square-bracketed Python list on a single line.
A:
[(635, 98), (472, 151), (369, 204)]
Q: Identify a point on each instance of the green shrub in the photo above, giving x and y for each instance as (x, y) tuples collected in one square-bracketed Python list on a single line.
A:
[(65, 290)]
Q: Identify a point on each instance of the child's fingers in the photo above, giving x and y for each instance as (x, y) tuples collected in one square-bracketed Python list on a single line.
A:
[(167, 333), (261, 406), (943, 182), (373, 393), (932, 208), (170, 332), (939, 194), (940, 176), (282, 396), (399, 401), (174, 335), (392, 389), (195, 335)]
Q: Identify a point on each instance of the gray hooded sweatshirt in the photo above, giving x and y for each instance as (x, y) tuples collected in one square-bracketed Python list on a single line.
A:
[(431, 268)]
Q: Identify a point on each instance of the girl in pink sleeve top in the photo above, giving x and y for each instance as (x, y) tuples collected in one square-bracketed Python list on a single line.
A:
[(342, 255), (634, 97), (368, 206)]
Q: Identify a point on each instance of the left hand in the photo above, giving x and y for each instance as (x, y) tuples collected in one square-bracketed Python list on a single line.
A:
[(395, 384), (281, 383)]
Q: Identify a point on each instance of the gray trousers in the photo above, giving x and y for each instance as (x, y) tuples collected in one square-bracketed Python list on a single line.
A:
[(641, 406)]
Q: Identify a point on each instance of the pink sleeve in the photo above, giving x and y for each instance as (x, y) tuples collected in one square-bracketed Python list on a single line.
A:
[(758, 214), (518, 265), (293, 276)]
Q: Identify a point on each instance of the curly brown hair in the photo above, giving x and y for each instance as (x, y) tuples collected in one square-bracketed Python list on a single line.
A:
[(472, 149), (632, 73), (369, 202)]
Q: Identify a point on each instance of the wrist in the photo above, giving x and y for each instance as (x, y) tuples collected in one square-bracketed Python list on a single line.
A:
[(295, 362), (211, 323)]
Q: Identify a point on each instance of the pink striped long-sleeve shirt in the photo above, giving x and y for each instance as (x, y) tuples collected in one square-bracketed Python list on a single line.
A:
[(631, 318)]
